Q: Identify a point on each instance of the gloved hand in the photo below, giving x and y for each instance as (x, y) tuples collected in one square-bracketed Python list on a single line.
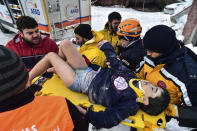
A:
[(172, 110), (151, 127)]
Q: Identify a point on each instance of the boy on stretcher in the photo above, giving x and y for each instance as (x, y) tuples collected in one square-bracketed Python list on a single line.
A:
[(109, 87)]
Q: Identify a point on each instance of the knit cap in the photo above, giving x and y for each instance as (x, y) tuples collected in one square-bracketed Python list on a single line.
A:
[(84, 30), (13, 74), (160, 39)]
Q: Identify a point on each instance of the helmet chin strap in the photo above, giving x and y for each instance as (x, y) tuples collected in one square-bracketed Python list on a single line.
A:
[(138, 89)]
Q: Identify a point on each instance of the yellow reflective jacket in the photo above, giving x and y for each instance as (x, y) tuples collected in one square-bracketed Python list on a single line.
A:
[(92, 52), (112, 38), (159, 76)]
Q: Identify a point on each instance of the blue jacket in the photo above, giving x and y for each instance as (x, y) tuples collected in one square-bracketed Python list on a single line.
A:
[(183, 65), (110, 88)]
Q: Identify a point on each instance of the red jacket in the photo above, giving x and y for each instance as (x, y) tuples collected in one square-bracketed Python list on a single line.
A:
[(32, 54)]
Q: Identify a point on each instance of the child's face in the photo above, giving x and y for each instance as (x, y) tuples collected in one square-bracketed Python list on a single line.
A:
[(150, 90)]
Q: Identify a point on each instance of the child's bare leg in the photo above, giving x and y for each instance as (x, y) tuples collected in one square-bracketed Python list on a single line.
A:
[(68, 51), (60, 53), (64, 71)]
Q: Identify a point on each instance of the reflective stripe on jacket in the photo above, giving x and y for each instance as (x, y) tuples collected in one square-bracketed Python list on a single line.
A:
[(178, 75), (91, 51), (153, 74), (44, 113), (111, 38)]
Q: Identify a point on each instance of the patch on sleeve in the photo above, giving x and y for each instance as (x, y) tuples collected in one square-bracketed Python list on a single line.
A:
[(120, 83), (161, 84)]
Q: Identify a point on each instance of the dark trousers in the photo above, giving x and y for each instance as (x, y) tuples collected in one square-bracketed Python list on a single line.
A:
[(80, 123)]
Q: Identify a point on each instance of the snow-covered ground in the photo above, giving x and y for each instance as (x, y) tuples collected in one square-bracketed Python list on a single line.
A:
[(147, 20), (4, 38)]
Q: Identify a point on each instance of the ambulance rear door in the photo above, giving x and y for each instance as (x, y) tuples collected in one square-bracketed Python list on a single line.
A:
[(65, 15)]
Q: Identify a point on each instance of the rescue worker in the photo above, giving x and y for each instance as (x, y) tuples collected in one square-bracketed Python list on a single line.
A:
[(88, 40), (21, 110), (131, 51), (171, 65), (107, 87), (110, 29), (30, 44)]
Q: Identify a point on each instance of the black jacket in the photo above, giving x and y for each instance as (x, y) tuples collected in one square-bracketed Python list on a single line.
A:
[(133, 54)]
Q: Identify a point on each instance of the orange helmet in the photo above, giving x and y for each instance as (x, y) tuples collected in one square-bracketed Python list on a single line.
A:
[(129, 27)]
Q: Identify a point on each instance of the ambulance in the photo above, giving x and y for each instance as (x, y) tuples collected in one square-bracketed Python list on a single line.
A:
[(55, 17)]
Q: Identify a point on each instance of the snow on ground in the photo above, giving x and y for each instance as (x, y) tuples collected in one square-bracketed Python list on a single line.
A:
[(147, 20), (184, 5), (4, 38)]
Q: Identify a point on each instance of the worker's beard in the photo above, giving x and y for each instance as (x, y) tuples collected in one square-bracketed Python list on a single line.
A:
[(81, 42), (31, 42), (113, 29)]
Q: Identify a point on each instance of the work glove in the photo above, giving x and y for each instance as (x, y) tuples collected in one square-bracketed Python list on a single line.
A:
[(172, 110)]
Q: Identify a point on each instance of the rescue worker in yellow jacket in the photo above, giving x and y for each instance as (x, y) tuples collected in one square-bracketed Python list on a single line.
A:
[(21, 110), (111, 28), (88, 40), (171, 65)]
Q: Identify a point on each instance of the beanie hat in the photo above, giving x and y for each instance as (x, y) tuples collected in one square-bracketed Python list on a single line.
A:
[(13, 74), (160, 39), (114, 16), (84, 30)]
